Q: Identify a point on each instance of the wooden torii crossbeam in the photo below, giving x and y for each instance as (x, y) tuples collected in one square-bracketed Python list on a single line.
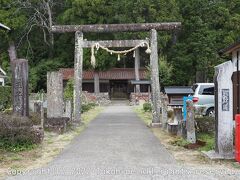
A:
[(80, 43)]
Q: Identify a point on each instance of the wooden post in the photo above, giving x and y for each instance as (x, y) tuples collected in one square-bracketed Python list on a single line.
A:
[(55, 104), (155, 78), (137, 65), (191, 135), (20, 87), (96, 83), (78, 65)]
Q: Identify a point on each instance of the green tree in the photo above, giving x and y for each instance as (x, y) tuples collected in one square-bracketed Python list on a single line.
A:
[(208, 26), (206, 29), (110, 11), (165, 72), (68, 91)]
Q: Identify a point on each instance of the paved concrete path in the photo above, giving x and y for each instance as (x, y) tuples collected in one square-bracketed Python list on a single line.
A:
[(116, 145)]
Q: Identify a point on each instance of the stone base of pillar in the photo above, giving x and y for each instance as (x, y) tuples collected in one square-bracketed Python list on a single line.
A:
[(172, 128), (58, 125), (155, 125), (164, 126), (213, 155)]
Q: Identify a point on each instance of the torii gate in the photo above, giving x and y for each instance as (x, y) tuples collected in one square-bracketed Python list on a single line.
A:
[(80, 43)]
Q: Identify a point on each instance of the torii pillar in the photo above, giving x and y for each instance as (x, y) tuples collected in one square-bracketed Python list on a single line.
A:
[(155, 84), (78, 67), (111, 28)]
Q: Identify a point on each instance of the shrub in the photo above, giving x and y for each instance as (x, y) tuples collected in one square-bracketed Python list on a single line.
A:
[(5, 97), (18, 133), (87, 107), (209, 139), (92, 104), (179, 142), (147, 107), (205, 124), (16, 146), (68, 90)]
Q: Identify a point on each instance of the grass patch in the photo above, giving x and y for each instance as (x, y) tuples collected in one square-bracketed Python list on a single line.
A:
[(50, 141), (146, 117), (190, 156), (236, 165), (29, 157), (209, 139), (91, 114), (17, 146), (16, 157), (179, 142), (87, 107), (202, 136), (147, 107)]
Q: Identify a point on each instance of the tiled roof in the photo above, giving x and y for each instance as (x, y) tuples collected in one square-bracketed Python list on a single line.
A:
[(112, 74), (178, 90)]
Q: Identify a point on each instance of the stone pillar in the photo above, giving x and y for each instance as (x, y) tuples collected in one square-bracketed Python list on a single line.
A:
[(174, 125), (42, 115), (164, 111), (78, 67), (20, 87), (55, 103), (177, 111), (37, 107), (155, 78), (191, 134), (137, 66), (68, 109), (149, 93), (96, 83), (224, 108)]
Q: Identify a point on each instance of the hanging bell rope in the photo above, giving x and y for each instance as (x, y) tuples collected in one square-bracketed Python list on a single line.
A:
[(124, 52)]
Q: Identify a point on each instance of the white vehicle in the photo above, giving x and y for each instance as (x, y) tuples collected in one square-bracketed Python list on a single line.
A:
[(203, 98)]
